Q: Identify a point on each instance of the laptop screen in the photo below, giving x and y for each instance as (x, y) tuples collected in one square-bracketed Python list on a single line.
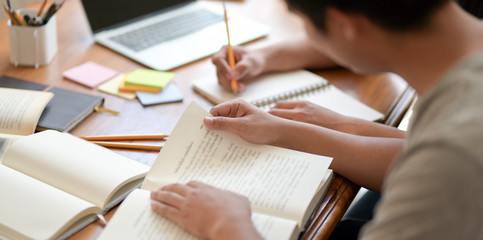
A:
[(103, 14)]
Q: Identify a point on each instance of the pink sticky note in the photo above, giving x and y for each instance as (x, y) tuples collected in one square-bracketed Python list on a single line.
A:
[(90, 74)]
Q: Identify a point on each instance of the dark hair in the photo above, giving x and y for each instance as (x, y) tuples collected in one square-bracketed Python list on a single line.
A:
[(474, 7), (397, 15)]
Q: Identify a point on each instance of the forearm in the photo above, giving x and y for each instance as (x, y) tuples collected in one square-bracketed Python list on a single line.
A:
[(296, 53), (366, 128), (363, 160)]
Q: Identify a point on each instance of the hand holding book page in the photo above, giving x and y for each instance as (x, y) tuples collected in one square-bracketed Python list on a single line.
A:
[(283, 186)]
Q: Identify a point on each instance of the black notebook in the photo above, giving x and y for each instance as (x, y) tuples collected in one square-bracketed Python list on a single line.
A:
[(65, 111)]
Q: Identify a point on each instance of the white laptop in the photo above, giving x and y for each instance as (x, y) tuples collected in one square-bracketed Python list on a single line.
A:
[(164, 34)]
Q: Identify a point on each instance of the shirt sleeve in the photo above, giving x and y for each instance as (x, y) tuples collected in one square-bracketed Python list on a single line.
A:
[(434, 192)]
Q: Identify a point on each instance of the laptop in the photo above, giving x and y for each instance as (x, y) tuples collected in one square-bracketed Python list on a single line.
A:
[(164, 34)]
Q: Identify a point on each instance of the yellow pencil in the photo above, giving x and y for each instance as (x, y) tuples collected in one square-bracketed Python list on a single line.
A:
[(128, 146), (231, 56), (9, 13), (19, 18), (129, 137), (41, 9)]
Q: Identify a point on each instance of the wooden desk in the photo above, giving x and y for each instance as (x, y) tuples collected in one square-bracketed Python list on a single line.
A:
[(77, 46)]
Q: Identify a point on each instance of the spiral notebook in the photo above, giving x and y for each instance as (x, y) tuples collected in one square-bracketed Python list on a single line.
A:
[(267, 90)]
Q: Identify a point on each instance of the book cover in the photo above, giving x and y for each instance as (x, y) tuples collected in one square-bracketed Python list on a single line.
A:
[(65, 111)]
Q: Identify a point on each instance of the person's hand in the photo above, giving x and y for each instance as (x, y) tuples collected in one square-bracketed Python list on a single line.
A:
[(247, 121), (248, 65), (205, 211), (308, 112)]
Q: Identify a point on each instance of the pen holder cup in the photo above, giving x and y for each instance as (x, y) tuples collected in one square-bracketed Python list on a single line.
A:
[(32, 45)]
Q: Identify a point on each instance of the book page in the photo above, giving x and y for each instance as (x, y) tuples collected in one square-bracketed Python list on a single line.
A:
[(334, 99), (30, 208), (73, 165), (278, 182), (5, 141), (135, 220), (21, 110)]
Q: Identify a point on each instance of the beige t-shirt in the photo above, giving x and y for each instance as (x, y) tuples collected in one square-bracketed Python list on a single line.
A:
[(435, 189)]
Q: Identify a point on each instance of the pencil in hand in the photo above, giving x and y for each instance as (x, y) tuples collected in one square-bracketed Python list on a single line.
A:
[(231, 56)]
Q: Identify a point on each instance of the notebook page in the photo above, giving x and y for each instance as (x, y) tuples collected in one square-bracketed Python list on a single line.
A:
[(262, 88)]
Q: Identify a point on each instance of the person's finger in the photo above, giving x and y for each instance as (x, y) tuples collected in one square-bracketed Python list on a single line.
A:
[(241, 87), (220, 55), (283, 113), (236, 108), (166, 211), (287, 104), (223, 123), (223, 68), (196, 184), (178, 188), (238, 52), (222, 80), (241, 69), (168, 198)]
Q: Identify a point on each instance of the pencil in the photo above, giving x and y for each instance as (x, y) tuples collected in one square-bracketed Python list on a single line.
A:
[(231, 56), (12, 18), (128, 146), (118, 138), (18, 18), (41, 9)]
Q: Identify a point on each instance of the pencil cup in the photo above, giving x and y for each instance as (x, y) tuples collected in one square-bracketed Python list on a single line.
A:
[(32, 45)]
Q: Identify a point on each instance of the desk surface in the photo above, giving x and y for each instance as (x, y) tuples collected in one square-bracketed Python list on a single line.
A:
[(77, 46)]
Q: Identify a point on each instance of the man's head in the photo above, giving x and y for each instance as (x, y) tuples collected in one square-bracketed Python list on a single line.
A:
[(349, 31), (395, 15)]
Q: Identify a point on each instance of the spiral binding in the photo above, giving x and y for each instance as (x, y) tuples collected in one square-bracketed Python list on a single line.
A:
[(267, 103)]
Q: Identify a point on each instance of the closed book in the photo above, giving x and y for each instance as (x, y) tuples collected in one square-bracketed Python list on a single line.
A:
[(66, 109)]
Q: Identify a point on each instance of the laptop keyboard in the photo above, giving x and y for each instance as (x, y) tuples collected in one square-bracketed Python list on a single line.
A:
[(148, 36)]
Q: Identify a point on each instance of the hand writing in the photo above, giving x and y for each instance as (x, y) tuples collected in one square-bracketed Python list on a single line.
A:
[(248, 65)]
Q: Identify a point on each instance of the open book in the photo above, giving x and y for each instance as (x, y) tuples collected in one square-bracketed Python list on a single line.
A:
[(284, 186), (53, 184), (267, 90), (20, 111)]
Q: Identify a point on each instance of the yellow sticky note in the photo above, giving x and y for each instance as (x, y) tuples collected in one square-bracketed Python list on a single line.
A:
[(150, 78), (111, 87)]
